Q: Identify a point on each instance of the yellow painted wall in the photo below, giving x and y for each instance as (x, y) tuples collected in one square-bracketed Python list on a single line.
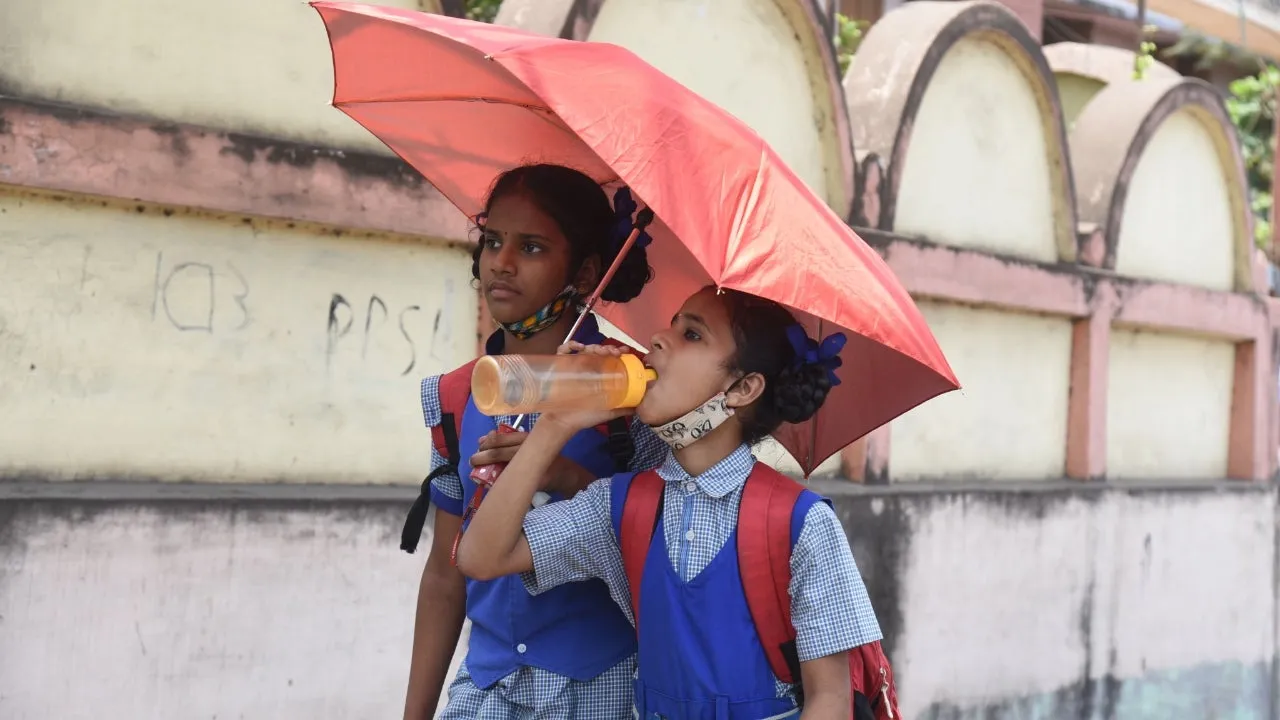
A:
[(1075, 91), (139, 344), (1009, 422), (743, 55), (254, 66), (1177, 224), (1169, 408), (977, 170)]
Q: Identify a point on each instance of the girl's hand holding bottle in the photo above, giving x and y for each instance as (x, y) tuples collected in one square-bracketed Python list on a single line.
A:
[(565, 476), (574, 421)]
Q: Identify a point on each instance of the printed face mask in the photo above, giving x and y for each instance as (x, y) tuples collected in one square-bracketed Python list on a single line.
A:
[(695, 424), (544, 318)]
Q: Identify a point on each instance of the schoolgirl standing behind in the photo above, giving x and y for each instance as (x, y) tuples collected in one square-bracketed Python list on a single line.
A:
[(735, 367), (548, 233)]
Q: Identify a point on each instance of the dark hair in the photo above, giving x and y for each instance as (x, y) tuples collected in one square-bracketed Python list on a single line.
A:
[(582, 211), (791, 394)]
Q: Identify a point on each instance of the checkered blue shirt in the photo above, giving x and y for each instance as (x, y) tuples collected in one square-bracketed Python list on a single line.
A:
[(606, 696), (532, 692), (574, 540)]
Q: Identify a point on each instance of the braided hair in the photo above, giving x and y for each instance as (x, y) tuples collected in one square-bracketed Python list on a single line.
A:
[(793, 392)]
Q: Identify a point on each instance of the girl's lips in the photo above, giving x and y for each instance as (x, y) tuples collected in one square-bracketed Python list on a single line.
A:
[(501, 291)]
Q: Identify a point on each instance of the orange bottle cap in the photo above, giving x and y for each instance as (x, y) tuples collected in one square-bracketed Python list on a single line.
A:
[(638, 379)]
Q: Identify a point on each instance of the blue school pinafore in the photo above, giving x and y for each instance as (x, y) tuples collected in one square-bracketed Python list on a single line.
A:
[(700, 657), (575, 630)]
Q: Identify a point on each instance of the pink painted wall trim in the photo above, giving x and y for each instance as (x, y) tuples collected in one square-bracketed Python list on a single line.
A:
[(64, 150)]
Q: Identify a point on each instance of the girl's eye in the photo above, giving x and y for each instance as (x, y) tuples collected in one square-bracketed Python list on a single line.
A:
[(532, 248), (491, 242), (692, 335)]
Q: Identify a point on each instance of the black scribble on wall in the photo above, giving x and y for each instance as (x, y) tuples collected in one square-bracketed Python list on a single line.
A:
[(241, 296), (435, 333), (194, 319), (187, 294), (332, 330), (368, 322), (413, 351)]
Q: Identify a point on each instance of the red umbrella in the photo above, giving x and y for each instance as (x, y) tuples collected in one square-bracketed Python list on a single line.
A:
[(462, 102)]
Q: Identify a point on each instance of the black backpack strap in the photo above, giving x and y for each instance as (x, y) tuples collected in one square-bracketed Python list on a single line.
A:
[(416, 520), (621, 447), (792, 656), (450, 430)]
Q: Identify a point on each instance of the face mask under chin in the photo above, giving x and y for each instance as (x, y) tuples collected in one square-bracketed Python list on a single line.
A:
[(545, 317), (695, 424)]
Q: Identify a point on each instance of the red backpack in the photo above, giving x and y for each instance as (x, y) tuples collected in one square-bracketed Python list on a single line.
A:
[(455, 391), (764, 561)]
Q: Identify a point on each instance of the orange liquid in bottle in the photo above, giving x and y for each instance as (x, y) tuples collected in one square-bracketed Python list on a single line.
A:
[(520, 384)]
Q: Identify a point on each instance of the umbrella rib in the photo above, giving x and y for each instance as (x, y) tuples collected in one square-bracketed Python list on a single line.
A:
[(451, 98)]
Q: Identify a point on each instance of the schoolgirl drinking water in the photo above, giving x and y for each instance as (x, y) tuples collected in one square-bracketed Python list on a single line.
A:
[(547, 235), (734, 367)]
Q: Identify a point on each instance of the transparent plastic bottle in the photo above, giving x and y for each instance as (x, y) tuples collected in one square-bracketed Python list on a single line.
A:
[(520, 384)]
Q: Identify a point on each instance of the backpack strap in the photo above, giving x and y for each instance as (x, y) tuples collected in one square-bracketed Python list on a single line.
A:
[(636, 508), (454, 390), (769, 522), (621, 447), (875, 693)]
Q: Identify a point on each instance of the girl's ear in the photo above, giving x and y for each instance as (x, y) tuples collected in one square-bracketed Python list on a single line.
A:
[(745, 391), (588, 275)]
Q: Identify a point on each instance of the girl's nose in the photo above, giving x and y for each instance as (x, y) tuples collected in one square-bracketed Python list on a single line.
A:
[(505, 261), (656, 342)]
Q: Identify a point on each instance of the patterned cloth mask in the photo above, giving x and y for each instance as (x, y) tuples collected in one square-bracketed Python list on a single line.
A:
[(545, 317), (695, 424)]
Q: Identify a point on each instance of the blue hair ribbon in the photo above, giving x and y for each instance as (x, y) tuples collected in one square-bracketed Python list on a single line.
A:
[(810, 352), (624, 206)]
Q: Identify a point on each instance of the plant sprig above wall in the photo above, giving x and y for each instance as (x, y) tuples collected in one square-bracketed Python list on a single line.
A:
[(1252, 106), (848, 37), (1251, 103)]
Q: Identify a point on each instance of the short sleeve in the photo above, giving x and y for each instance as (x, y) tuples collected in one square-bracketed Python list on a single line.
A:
[(430, 396), (573, 540), (830, 608), (650, 450), (446, 488)]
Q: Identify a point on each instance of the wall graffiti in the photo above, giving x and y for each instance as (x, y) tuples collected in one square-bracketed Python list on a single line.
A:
[(194, 295), (372, 319), (185, 293)]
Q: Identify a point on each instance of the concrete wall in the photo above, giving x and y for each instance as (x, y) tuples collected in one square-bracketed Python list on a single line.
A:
[(966, 434), (1022, 602), (1178, 223), (143, 342), (256, 66), (1053, 603), (1171, 422), (278, 604), (973, 148), (192, 245), (734, 54)]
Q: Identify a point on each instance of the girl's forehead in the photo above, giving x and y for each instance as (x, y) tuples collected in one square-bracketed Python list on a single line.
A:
[(707, 307), (516, 213)]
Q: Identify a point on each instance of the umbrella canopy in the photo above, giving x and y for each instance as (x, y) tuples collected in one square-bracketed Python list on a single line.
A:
[(463, 102)]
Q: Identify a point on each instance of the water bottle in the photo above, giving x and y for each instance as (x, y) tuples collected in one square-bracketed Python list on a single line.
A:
[(522, 384)]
